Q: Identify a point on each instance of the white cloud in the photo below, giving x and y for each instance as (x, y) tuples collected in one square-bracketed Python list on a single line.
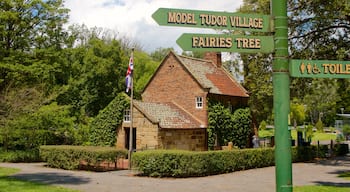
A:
[(133, 17)]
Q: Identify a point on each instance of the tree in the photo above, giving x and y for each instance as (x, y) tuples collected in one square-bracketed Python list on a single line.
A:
[(25, 25), (99, 76), (321, 100), (297, 112), (160, 53), (258, 81), (50, 124), (319, 29), (344, 96), (219, 120), (241, 131), (195, 54), (225, 126), (257, 70), (31, 36)]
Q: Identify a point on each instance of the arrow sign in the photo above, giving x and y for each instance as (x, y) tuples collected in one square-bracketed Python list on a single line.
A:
[(226, 43), (319, 68), (211, 19)]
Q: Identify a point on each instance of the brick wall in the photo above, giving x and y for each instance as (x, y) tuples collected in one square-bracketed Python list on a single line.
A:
[(174, 84), (120, 144)]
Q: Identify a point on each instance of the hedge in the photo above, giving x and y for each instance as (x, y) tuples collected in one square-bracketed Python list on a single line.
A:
[(341, 149), (18, 156), (173, 163), (71, 157)]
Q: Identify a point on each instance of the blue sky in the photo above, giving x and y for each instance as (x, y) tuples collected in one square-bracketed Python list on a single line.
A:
[(132, 18)]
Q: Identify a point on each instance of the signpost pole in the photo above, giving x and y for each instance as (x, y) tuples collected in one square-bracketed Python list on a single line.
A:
[(283, 156)]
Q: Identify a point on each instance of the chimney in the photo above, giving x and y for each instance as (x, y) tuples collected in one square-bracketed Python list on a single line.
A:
[(215, 57)]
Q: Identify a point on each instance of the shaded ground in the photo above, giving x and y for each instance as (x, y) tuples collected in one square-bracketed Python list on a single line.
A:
[(324, 172)]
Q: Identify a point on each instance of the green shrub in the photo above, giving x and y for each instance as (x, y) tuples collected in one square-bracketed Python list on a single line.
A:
[(341, 149), (173, 163), (319, 126), (70, 157), (50, 124), (226, 126), (19, 156), (262, 125)]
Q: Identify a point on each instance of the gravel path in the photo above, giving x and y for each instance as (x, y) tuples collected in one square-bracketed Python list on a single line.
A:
[(262, 180)]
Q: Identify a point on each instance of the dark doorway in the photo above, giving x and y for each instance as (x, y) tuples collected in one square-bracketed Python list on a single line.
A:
[(127, 139)]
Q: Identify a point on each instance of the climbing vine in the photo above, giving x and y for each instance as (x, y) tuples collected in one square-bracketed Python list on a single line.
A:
[(103, 127)]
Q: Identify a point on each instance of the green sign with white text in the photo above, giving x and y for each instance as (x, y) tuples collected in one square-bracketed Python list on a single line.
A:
[(319, 68), (226, 43), (212, 19)]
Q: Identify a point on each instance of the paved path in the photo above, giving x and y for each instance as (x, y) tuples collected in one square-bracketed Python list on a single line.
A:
[(262, 180)]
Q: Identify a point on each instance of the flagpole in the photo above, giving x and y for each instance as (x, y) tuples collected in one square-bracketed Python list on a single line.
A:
[(131, 112)]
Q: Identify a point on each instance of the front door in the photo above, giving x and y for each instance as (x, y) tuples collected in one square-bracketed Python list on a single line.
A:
[(127, 138)]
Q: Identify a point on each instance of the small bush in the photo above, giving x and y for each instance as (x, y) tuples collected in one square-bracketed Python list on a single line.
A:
[(262, 125), (341, 149), (165, 163), (70, 157)]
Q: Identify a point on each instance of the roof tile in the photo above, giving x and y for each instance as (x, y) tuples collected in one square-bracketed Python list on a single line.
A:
[(168, 115), (209, 76)]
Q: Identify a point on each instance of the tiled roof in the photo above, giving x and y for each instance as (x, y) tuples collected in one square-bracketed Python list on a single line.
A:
[(168, 115), (217, 80)]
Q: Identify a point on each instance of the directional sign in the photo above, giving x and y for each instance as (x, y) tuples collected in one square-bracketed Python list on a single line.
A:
[(319, 68), (226, 43), (211, 19)]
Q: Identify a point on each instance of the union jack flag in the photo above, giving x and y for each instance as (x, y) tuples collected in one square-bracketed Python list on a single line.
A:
[(129, 73)]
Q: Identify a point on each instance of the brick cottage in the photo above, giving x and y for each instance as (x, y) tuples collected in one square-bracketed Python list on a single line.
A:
[(173, 113)]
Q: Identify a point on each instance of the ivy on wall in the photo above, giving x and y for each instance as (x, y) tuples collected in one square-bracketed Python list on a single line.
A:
[(103, 127)]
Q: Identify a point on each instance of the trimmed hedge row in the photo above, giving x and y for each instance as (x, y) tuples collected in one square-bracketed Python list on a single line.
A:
[(20, 156), (173, 163), (70, 157)]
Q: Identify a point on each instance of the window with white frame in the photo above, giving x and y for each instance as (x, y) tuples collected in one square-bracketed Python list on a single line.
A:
[(127, 115), (199, 102)]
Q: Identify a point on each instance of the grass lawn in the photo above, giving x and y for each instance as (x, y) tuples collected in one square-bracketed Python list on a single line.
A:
[(317, 136), (9, 184), (324, 137), (345, 175), (318, 188)]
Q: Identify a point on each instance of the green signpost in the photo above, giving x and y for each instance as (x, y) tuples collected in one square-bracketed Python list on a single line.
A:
[(281, 98), (225, 43), (320, 68), (213, 20)]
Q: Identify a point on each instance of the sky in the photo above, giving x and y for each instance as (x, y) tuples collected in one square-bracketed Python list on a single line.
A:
[(133, 18)]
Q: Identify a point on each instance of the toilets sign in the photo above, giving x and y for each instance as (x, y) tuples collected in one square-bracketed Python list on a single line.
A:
[(319, 68)]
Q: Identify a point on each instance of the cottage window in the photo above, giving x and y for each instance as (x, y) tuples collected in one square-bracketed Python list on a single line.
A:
[(127, 115), (199, 102)]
